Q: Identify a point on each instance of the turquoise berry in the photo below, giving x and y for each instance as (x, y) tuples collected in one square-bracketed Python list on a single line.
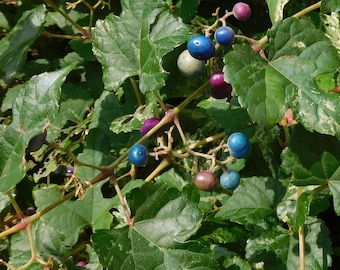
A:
[(238, 145), (230, 179)]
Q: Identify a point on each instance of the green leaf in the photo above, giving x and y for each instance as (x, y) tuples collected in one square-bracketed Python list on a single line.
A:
[(34, 107), (72, 216), (267, 87), (186, 9), (96, 153), (48, 241), (14, 47), (134, 43), (157, 240), (311, 158), (231, 117), (253, 200), (276, 8), (279, 248), (330, 6), (298, 218), (128, 249)]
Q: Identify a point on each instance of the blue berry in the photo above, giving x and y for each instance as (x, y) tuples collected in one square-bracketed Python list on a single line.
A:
[(138, 155), (225, 35), (230, 179), (201, 47), (238, 144), (190, 66)]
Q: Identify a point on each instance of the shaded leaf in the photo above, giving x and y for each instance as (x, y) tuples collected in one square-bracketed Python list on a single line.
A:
[(311, 158), (279, 248), (14, 47), (72, 216)]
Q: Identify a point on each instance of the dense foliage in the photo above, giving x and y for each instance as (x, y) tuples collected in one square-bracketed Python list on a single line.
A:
[(114, 155)]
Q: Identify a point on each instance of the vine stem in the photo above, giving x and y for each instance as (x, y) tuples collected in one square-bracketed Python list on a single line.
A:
[(301, 238), (307, 10)]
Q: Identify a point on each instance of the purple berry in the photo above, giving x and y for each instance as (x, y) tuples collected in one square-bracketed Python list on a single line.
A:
[(241, 11), (218, 87), (29, 211), (149, 124)]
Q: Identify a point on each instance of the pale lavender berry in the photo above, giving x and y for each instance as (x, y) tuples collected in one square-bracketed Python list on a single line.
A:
[(241, 11)]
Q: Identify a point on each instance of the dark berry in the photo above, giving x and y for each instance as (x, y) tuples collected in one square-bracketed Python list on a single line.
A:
[(201, 47), (206, 180), (238, 145), (190, 66), (29, 211), (138, 155), (218, 87), (241, 11), (230, 179), (225, 35)]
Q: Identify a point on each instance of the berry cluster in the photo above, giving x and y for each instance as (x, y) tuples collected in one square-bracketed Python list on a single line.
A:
[(200, 48), (192, 62)]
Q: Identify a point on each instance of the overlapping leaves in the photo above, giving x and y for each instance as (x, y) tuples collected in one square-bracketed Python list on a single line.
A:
[(34, 107), (297, 54), (158, 237), (134, 43)]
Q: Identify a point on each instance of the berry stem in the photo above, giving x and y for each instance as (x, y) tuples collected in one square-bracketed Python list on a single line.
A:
[(56, 8), (301, 237)]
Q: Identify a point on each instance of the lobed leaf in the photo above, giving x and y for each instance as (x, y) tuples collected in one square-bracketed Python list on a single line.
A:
[(72, 216), (298, 53), (157, 240), (34, 108), (252, 201), (134, 43), (279, 249)]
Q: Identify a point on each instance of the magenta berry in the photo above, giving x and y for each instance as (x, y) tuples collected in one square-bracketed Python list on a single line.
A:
[(218, 87), (241, 11), (149, 124)]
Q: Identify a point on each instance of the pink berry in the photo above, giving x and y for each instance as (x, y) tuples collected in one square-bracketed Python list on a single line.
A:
[(241, 11), (81, 263)]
